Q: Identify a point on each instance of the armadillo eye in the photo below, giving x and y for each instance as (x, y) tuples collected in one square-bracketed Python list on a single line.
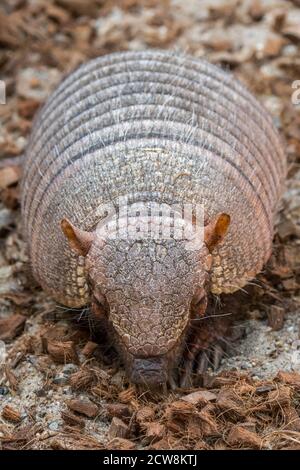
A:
[(199, 297), (99, 306), (199, 302), (100, 298)]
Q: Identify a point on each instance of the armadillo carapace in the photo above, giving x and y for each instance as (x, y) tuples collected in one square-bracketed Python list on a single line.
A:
[(154, 129)]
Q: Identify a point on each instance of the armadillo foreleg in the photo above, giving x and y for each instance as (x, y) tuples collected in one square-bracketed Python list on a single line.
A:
[(210, 338)]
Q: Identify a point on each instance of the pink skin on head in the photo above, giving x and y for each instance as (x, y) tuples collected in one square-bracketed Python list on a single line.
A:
[(147, 289)]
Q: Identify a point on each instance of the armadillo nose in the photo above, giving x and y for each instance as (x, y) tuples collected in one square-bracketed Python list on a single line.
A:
[(148, 371)]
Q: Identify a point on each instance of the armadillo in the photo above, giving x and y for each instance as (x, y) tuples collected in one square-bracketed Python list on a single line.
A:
[(150, 127)]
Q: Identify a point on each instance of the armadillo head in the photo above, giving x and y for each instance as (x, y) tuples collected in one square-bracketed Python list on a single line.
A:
[(148, 288)]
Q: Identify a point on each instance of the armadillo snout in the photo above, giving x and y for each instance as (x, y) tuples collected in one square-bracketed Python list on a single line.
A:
[(149, 371)]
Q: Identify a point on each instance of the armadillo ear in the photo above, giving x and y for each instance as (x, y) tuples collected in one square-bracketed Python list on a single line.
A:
[(79, 240), (216, 230)]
